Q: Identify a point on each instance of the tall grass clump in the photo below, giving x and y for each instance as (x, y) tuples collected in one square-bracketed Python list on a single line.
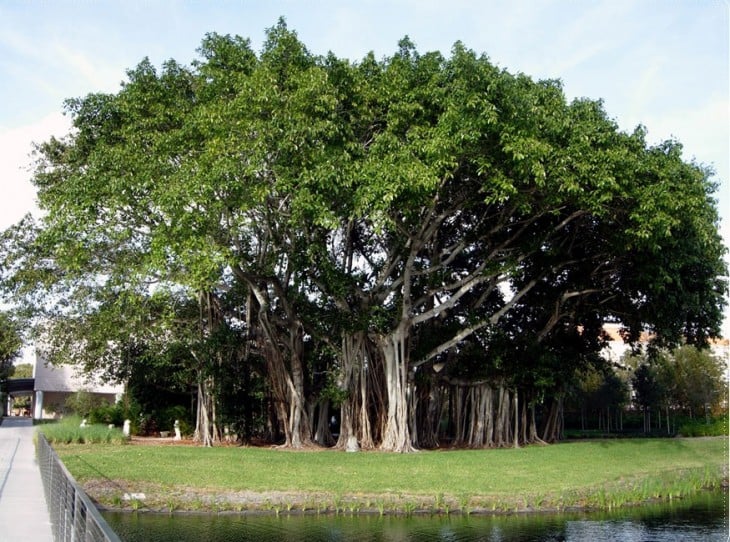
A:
[(69, 431)]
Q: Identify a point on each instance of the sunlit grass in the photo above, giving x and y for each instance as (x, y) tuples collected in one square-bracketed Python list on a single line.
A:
[(598, 474)]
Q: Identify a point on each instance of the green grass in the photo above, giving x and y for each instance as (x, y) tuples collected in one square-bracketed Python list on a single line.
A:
[(599, 474), (69, 431)]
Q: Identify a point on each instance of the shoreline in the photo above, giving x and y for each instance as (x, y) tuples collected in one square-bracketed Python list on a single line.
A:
[(581, 476), (145, 498)]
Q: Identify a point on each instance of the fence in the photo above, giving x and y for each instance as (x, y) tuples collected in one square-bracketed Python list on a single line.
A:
[(74, 518)]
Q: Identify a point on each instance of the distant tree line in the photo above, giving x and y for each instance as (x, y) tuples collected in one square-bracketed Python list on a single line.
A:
[(424, 247), (685, 382), (664, 387)]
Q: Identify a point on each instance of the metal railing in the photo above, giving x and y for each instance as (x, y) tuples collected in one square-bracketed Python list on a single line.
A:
[(74, 518)]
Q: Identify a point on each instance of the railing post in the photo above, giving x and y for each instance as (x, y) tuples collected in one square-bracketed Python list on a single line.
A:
[(74, 518)]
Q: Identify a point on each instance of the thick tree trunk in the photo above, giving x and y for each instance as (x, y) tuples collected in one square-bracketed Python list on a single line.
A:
[(278, 345), (206, 430), (323, 433), (396, 435), (350, 358), (523, 425), (347, 424), (552, 430), (287, 387), (534, 438), (481, 424), (429, 415), (276, 373), (365, 436), (458, 419), (300, 428), (209, 320), (501, 437)]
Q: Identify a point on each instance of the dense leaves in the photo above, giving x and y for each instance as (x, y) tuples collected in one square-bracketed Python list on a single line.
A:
[(382, 234), (684, 380), (10, 344)]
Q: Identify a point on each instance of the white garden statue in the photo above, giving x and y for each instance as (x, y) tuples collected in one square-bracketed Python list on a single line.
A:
[(178, 436)]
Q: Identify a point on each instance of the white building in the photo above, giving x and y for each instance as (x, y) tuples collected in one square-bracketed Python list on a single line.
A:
[(54, 384)]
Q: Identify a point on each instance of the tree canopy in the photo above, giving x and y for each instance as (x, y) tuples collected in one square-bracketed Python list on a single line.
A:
[(390, 236), (10, 344)]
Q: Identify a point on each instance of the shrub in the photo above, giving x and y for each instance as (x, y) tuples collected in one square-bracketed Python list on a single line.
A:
[(166, 419), (106, 414), (147, 425), (82, 403), (116, 414), (701, 428)]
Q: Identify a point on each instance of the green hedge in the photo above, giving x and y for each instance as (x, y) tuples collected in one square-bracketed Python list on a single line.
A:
[(700, 428)]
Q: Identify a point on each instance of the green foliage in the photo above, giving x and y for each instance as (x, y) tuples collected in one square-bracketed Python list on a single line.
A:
[(686, 378), (647, 388), (10, 344), (22, 370), (167, 417), (283, 198), (701, 428), (601, 396), (114, 414), (699, 379), (83, 403)]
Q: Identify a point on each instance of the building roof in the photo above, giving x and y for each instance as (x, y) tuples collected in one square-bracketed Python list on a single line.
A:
[(65, 378)]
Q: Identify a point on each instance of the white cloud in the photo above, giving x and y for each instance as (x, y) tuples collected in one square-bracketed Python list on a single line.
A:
[(15, 161), (96, 76)]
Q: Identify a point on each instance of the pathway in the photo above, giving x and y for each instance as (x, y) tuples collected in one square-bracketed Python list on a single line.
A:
[(23, 512)]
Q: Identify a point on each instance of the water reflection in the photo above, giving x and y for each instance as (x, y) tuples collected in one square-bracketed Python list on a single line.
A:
[(703, 518)]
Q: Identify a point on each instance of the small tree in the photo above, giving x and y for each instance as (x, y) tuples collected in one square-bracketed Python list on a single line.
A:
[(648, 392), (686, 379), (10, 345), (82, 403), (605, 392), (22, 370), (699, 385)]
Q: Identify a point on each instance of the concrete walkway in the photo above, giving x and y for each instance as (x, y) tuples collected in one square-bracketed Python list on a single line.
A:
[(23, 512)]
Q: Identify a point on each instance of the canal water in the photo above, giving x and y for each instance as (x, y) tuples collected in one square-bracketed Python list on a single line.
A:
[(702, 518)]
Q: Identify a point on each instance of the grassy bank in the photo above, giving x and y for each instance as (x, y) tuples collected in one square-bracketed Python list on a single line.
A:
[(597, 474)]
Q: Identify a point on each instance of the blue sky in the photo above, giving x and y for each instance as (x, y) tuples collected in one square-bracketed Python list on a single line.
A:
[(663, 64)]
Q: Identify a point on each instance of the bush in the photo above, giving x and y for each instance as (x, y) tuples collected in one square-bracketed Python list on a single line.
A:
[(82, 403), (116, 414), (166, 419), (700, 428), (106, 414), (147, 425)]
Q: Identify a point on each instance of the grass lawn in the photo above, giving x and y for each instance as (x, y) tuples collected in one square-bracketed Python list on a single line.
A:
[(600, 474)]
